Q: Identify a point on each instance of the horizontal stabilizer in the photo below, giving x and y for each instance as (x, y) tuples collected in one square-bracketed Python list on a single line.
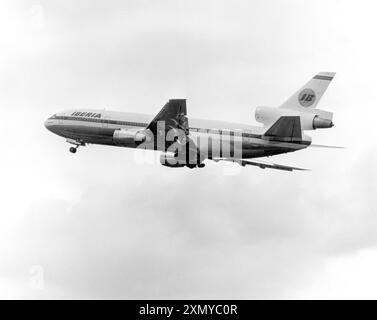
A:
[(286, 128)]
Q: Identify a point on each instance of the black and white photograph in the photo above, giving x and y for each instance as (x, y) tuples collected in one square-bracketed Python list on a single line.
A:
[(188, 150)]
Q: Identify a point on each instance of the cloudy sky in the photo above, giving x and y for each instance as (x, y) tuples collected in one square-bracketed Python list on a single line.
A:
[(111, 223)]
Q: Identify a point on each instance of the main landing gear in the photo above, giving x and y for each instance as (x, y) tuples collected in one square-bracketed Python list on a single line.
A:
[(193, 166)]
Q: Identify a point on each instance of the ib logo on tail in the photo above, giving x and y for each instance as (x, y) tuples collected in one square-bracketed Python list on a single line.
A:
[(306, 97)]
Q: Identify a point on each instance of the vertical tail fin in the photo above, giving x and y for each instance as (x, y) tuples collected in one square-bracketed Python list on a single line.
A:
[(310, 94)]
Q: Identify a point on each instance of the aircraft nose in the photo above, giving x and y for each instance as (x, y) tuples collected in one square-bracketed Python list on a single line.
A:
[(48, 124)]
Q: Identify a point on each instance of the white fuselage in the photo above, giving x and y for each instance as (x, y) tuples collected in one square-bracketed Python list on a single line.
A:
[(87, 126)]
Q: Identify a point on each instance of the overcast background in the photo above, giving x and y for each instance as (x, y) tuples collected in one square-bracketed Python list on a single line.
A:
[(103, 224)]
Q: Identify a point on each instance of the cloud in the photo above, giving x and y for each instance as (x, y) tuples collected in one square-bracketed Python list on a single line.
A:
[(192, 236), (104, 226)]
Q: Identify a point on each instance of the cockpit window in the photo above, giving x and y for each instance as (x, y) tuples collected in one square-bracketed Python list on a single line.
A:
[(53, 117)]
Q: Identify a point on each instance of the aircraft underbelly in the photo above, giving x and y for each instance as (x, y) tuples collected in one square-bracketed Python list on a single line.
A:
[(224, 148), (89, 134), (209, 146)]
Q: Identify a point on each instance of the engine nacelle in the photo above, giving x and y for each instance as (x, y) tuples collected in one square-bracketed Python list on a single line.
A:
[(310, 119), (169, 159), (129, 137), (322, 123)]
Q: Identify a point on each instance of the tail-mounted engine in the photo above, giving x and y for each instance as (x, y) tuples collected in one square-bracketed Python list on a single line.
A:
[(310, 119)]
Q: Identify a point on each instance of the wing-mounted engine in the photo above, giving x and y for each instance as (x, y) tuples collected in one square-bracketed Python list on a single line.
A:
[(178, 160), (310, 119), (130, 136), (170, 159)]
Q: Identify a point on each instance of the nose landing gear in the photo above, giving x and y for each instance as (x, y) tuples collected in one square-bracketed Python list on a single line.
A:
[(73, 149), (76, 143)]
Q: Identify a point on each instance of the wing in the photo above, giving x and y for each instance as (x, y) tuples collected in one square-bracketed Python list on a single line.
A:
[(174, 115), (260, 164), (324, 146), (170, 125)]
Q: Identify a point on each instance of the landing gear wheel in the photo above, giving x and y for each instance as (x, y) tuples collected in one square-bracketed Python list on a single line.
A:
[(72, 149)]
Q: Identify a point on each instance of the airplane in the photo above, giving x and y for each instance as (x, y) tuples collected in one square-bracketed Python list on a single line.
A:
[(188, 142)]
